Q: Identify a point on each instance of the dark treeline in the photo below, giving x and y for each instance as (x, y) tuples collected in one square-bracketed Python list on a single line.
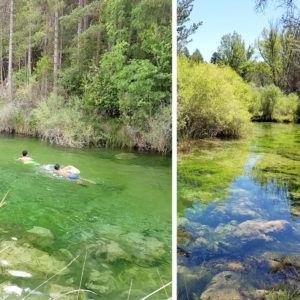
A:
[(265, 87), (87, 71)]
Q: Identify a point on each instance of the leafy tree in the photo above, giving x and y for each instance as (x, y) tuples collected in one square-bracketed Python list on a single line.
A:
[(185, 52), (196, 56), (214, 58), (184, 9), (233, 52), (114, 57), (261, 4)]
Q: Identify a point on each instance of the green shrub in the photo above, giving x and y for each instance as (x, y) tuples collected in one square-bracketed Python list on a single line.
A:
[(275, 105), (62, 122), (212, 101)]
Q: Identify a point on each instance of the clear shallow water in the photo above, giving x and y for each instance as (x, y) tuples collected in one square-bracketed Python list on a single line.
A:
[(123, 223), (239, 230)]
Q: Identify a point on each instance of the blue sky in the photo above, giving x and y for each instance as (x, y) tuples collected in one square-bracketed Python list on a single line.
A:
[(221, 17)]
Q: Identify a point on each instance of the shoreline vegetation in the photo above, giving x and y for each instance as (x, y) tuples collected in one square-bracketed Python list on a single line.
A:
[(240, 83), (92, 73), (206, 91)]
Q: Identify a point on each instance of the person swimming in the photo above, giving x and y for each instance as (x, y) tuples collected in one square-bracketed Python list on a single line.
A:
[(66, 172), (25, 156)]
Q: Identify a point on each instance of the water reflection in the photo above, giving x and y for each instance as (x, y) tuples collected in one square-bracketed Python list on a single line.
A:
[(249, 242)]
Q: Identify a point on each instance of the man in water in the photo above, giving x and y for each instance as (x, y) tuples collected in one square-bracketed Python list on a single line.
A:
[(25, 158), (66, 172)]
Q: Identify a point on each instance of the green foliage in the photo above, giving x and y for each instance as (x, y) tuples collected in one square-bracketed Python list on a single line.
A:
[(99, 88), (71, 79), (184, 8), (275, 105), (212, 101), (270, 50), (20, 77), (196, 56), (62, 123), (232, 52), (138, 91), (115, 56)]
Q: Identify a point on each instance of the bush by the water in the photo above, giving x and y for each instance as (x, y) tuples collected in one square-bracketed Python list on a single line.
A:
[(66, 122), (275, 105), (212, 101)]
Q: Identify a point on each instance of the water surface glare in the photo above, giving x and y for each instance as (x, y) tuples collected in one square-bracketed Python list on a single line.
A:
[(239, 225), (120, 228)]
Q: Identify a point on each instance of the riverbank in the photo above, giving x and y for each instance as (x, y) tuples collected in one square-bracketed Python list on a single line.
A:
[(239, 215), (67, 123)]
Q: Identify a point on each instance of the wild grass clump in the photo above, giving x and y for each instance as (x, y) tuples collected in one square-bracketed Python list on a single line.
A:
[(212, 101)]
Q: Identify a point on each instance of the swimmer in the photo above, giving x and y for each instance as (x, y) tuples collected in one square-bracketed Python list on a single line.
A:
[(66, 172), (25, 157)]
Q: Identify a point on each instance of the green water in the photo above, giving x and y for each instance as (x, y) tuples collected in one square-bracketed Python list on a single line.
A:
[(239, 216), (122, 225)]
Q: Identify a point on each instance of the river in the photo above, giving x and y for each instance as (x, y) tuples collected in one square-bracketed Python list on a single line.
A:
[(239, 216), (112, 238)]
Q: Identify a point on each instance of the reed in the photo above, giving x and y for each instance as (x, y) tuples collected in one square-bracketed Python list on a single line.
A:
[(79, 289), (3, 199), (156, 291)]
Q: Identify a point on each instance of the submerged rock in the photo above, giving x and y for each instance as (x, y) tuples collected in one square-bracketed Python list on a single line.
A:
[(25, 258), (110, 251), (260, 229), (40, 237), (235, 266), (101, 282), (225, 285), (144, 250), (134, 247)]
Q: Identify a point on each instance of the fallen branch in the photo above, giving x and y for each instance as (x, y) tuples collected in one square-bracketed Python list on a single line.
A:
[(3, 199), (52, 277), (156, 291)]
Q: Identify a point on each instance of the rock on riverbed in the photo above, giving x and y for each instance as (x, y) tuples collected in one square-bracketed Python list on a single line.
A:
[(260, 229)]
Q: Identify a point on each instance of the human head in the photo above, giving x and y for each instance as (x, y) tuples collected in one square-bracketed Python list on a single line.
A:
[(57, 167), (24, 153)]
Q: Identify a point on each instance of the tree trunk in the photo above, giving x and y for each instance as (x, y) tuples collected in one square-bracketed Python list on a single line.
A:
[(10, 50), (29, 51), (55, 56), (79, 30), (60, 45), (1, 58), (99, 34), (85, 18)]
